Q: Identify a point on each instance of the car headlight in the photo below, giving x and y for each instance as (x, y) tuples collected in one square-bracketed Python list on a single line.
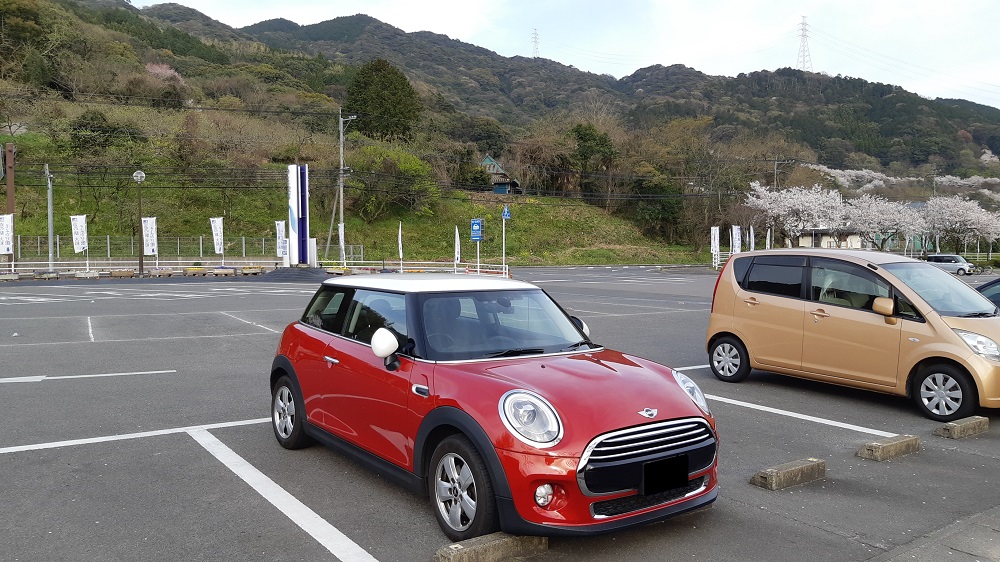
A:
[(530, 418), (981, 344), (692, 390)]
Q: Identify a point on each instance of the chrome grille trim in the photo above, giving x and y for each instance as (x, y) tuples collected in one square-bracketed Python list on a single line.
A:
[(637, 434), (640, 441)]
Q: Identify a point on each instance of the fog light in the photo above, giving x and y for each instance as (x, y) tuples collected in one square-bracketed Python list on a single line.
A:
[(543, 495)]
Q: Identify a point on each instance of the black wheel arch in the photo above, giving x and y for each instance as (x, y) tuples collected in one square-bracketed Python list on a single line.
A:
[(280, 367), (448, 420)]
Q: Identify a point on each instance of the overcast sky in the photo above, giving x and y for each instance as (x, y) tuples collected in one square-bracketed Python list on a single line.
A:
[(930, 47)]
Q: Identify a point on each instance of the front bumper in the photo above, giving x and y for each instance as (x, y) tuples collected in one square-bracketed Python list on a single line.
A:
[(572, 512)]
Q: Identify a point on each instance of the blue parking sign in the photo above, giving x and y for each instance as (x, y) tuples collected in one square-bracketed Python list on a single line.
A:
[(477, 230)]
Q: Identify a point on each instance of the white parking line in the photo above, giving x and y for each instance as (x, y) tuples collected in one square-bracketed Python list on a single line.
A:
[(126, 436), (40, 378), (249, 322), (308, 520), (164, 338), (795, 415), (90, 329)]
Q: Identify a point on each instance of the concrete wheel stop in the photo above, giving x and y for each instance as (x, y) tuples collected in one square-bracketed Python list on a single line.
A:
[(494, 547), (790, 474)]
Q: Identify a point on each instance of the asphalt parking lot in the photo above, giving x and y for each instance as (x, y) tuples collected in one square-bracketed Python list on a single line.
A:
[(136, 428)]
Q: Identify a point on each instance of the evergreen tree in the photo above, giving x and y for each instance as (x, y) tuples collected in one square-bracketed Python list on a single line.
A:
[(386, 104)]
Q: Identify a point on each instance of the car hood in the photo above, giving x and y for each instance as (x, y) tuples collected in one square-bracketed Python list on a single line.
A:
[(597, 392)]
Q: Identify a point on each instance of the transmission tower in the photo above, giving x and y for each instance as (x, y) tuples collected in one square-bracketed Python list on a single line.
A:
[(805, 61), (534, 43)]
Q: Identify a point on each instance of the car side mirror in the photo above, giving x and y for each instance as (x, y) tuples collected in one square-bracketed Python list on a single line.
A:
[(886, 307), (385, 345), (582, 325)]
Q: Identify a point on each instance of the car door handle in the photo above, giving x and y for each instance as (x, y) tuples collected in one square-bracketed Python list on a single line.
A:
[(421, 390), (331, 360), (751, 301), (817, 314)]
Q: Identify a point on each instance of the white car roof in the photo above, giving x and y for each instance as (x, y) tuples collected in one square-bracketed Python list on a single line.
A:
[(428, 282)]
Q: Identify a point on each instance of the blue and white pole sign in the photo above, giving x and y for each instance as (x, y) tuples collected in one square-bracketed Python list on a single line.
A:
[(477, 230), (506, 213)]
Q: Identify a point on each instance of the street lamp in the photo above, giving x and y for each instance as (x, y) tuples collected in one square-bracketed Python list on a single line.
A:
[(139, 177)]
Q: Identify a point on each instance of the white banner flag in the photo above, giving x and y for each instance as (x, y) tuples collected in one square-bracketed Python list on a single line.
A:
[(400, 242), (458, 247), (736, 242), (217, 233), (79, 224), (715, 240), (7, 234), (750, 240), (149, 245), (281, 243)]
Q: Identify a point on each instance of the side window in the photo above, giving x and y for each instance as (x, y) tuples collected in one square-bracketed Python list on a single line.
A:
[(371, 310), (845, 284), (785, 280), (327, 309), (905, 309), (740, 266)]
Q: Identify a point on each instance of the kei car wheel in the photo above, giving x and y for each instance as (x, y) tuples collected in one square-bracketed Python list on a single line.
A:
[(288, 415), (729, 359), (461, 491), (944, 393), (961, 271)]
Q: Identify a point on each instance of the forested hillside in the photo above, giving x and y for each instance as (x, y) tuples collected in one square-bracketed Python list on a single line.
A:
[(98, 88)]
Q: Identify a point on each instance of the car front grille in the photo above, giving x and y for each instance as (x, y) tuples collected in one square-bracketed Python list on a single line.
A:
[(613, 462)]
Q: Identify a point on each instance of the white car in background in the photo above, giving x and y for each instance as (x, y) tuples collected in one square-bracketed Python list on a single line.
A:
[(952, 263)]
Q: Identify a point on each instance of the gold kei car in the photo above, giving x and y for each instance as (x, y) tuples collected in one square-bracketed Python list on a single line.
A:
[(863, 319)]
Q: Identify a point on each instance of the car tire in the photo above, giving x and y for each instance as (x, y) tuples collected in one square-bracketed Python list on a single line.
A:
[(944, 393), (461, 491), (288, 415), (961, 271), (729, 359)]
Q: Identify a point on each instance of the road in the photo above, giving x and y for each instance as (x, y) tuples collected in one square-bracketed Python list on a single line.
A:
[(136, 428)]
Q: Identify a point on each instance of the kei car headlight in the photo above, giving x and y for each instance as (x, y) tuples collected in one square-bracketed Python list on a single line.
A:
[(981, 344), (692, 390), (530, 418)]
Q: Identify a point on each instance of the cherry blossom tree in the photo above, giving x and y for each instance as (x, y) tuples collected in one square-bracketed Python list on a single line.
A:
[(879, 221), (794, 210), (957, 220)]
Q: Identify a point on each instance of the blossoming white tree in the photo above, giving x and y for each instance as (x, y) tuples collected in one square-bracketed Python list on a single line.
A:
[(879, 221), (794, 210), (957, 220)]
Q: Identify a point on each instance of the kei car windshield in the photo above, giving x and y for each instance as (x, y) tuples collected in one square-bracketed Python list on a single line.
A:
[(945, 293), (482, 324)]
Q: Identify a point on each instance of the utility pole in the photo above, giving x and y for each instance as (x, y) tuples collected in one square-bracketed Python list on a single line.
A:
[(340, 193), (776, 162), (52, 235), (139, 177), (9, 153)]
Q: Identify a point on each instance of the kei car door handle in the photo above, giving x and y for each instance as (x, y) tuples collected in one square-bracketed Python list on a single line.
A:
[(751, 301), (820, 313), (331, 360)]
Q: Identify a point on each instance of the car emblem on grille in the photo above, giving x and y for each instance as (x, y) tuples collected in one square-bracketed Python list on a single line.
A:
[(648, 412)]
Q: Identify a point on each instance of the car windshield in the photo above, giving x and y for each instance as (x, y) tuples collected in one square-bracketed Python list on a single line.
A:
[(946, 294), (484, 324)]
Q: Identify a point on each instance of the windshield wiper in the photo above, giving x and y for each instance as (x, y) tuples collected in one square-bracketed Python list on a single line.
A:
[(573, 346), (979, 315), (516, 351)]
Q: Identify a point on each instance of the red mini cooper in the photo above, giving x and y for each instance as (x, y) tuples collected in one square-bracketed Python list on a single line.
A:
[(485, 395)]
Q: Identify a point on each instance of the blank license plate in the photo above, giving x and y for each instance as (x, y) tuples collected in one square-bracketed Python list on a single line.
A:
[(664, 474)]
